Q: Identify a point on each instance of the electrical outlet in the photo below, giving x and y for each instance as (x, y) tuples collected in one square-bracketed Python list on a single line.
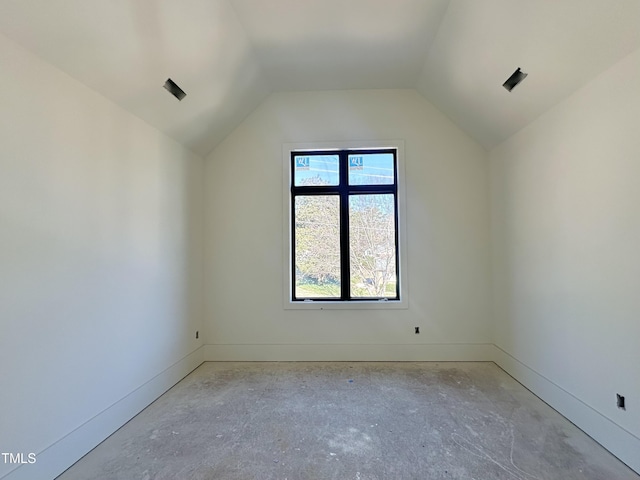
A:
[(620, 402), (197, 334), (417, 330)]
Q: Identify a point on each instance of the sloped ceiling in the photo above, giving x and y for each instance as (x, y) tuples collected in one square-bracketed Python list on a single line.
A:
[(228, 55), (561, 44)]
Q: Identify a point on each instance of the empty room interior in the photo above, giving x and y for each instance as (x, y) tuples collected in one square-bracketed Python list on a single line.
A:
[(311, 239)]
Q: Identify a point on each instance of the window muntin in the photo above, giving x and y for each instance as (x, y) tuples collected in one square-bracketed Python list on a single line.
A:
[(364, 266)]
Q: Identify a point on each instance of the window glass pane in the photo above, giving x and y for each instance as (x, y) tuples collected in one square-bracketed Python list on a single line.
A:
[(312, 170), (317, 246), (372, 241), (371, 169)]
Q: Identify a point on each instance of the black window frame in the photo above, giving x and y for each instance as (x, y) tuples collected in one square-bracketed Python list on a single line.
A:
[(344, 191)]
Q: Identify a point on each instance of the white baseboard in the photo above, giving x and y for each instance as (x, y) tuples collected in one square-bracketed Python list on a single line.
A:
[(603, 430), (65, 452), (59, 456), (349, 353)]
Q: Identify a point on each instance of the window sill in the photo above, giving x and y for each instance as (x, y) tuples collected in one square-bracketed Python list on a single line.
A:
[(353, 305)]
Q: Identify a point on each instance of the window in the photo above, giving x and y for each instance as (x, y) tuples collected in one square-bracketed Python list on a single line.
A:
[(344, 230)]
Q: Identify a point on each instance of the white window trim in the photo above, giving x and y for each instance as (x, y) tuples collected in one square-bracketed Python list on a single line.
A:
[(288, 304)]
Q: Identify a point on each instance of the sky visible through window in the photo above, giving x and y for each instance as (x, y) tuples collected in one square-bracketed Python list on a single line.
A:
[(364, 169)]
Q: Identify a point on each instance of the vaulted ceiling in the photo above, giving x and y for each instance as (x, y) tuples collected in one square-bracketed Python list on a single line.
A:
[(228, 55)]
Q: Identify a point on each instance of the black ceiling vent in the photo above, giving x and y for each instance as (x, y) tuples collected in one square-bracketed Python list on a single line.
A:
[(174, 89), (514, 79)]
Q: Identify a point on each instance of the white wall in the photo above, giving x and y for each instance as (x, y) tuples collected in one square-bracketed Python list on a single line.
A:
[(100, 254), (566, 233), (447, 229)]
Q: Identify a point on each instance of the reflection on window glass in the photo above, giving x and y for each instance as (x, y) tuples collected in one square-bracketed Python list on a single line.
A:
[(372, 245), (371, 169), (317, 246), (310, 170)]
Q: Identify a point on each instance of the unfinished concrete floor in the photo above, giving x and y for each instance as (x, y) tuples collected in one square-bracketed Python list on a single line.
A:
[(359, 421)]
